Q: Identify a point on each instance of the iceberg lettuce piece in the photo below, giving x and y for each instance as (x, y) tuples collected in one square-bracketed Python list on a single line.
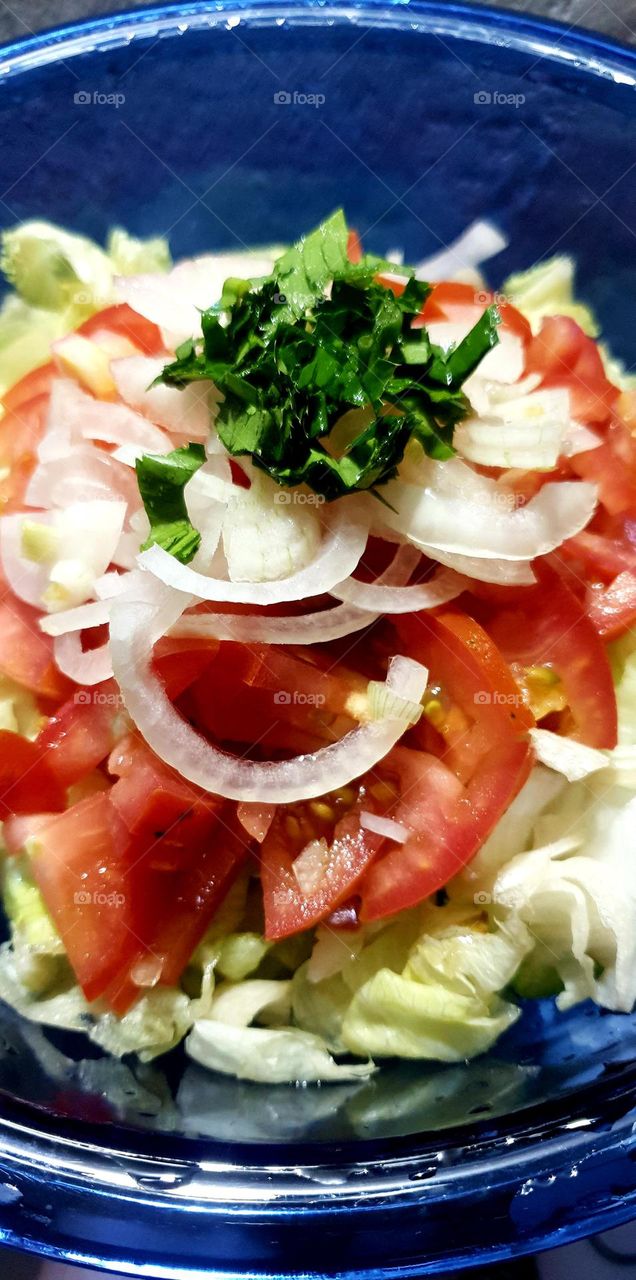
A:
[(548, 290), (129, 256), (281, 1056), (396, 1016)]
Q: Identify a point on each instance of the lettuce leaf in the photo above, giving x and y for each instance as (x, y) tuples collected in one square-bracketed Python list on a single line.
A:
[(548, 290)]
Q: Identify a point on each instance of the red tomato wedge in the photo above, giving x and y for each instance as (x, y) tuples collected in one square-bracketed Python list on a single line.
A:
[(27, 782), (564, 356), (179, 906), (449, 822), (123, 320), (81, 866), (463, 303), (475, 702), (291, 904), (82, 732), (611, 466), (612, 610), (547, 626), (26, 655)]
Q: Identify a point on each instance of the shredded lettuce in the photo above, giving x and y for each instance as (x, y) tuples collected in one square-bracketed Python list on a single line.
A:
[(548, 290), (60, 279)]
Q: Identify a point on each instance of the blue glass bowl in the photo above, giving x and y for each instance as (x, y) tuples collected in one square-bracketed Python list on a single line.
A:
[(228, 124)]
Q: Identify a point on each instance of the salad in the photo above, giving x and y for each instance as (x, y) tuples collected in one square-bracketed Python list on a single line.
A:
[(317, 669)]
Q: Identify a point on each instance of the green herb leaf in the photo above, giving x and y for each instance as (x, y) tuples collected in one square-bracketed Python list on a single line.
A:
[(162, 479), (319, 337)]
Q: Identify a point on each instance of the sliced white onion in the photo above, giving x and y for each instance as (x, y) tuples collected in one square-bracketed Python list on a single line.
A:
[(175, 301), (574, 760), (134, 623), (480, 241), (504, 363), (506, 573), (110, 584), (74, 415), (27, 578), (182, 411), (310, 867), (384, 827), (94, 614), (580, 438), (526, 432), (84, 474), (429, 595), (268, 534), (90, 667), (309, 628), (456, 510), (256, 819), (338, 555)]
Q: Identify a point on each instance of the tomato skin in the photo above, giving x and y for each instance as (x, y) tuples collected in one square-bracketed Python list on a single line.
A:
[(449, 823), (547, 624), (611, 466), (26, 654), (289, 909), (612, 610), (183, 904), (354, 247), (82, 732), (27, 782), (599, 556), (483, 702), (454, 301), (32, 386), (563, 355), (21, 430), (80, 867), (123, 320)]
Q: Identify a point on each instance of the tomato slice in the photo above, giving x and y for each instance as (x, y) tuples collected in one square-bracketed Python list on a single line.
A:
[(474, 702), (563, 355), (123, 320), (80, 864), (26, 655), (33, 385), (181, 904), (448, 823), (462, 303), (611, 466), (82, 732), (27, 782), (547, 626), (354, 247), (291, 902), (612, 610)]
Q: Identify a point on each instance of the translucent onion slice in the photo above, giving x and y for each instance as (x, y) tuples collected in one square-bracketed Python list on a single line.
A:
[(94, 614), (90, 667), (182, 411), (134, 623), (27, 578), (309, 628), (74, 416), (429, 595), (507, 573), (455, 510), (384, 827), (338, 555), (575, 760), (84, 474), (256, 819)]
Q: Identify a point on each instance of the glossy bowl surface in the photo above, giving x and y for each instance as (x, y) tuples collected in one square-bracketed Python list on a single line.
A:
[(233, 124)]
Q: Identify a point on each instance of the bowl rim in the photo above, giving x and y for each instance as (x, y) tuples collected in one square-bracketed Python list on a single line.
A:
[(89, 1164), (600, 54)]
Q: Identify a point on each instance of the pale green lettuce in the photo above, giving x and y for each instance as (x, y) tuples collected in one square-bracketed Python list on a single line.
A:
[(548, 290), (60, 279)]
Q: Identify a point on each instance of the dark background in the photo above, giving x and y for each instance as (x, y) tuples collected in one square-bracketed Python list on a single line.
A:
[(21, 17)]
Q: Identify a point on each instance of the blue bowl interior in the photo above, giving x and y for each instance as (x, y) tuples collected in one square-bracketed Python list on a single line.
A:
[(422, 120)]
